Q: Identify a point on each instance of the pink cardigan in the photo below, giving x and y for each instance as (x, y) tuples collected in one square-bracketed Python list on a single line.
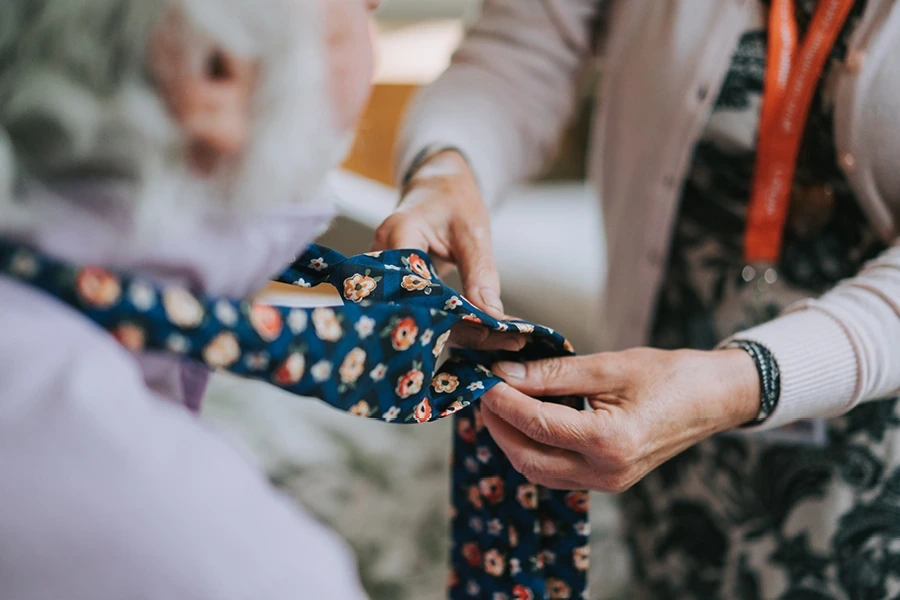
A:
[(511, 89)]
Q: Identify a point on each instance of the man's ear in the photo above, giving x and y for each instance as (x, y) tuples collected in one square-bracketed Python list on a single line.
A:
[(207, 89)]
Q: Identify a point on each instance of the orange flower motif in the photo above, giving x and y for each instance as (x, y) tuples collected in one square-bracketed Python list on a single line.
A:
[(359, 287), (453, 408), (404, 334), (527, 496), (520, 592), (513, 537), (418, 266), (98, 287), (567, 345), (577, 501), (353, 366), (475, 497), (266, 321), (444, 383), (558, 589), (465, 430), (491, 489), (582, 557), (472, 554), (410, 384), (494, 563), (361, 409), (440, 343), (131, 336), (182, 308), (423, 412), (291, 370), (471, 318), (327, 326), (222, 352), (414, 283)]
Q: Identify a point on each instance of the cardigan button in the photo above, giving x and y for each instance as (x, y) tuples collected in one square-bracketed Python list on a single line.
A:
[(847, 162), (854, 61)]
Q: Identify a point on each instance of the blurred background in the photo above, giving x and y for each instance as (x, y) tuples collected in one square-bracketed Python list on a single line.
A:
[(386, 489)]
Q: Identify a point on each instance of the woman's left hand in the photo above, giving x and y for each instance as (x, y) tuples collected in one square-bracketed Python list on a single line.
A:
[(649, 405)]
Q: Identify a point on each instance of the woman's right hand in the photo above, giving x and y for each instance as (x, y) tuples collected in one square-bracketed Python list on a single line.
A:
[(441, 212)]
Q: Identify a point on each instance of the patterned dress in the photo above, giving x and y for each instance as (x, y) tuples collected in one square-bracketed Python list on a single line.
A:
[(741, 517)]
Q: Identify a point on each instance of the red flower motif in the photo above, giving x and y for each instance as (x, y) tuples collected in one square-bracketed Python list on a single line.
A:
[(291, 370), (527, 496), (404, 334), (578, 501), (131, 336), (520, 592), (472, 554), (98, 287), (466, 431), (418, 266), (410, 384), (266, 321), (423, 412), (471, 318), (475, 497), (492, 489)]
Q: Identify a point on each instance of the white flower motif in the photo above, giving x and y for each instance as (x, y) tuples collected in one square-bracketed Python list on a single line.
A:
[(373, 254), (549, 558), (378, 373), (321, 371), (452, 303), (392, 414), (502, 327), (302, 283), (392, 267), (178, 343), (582, 528), (426, 337), (515, 567), (494, 527), (476, 525), (226, 313), (475, 386), (257, 360), (471, 465), (525, 327), (142, 296), (297, 321), (483, 454), (24, 264), (364, 327), (472, 589), (317, 264)]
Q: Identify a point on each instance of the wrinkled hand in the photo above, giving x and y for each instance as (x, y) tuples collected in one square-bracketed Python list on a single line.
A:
[(442, 213), (648, 406)]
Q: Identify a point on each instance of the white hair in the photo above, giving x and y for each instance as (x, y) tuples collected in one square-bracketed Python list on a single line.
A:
[(76, 101)]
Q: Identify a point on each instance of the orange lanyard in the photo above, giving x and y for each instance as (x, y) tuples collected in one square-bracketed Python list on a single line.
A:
[(790, 84)]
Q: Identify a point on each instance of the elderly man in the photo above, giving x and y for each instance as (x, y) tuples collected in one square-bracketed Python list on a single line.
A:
[(185, 141)]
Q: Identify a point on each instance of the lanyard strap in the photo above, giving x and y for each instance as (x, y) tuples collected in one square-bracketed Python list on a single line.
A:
[(790, 83)]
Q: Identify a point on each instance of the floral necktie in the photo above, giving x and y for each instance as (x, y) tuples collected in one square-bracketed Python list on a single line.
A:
[(377, 356)]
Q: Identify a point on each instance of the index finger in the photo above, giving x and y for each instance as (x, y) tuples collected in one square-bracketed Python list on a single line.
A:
[(544, 422)]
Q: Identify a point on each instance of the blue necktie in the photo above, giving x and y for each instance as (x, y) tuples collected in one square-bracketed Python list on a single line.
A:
[(377, 356)]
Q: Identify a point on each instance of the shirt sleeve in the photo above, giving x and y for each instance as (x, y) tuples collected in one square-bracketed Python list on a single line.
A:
[(840, 350), (509, 91)]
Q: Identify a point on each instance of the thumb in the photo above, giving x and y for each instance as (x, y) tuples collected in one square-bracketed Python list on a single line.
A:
[(565, 376), (478, 271), (398, 232)]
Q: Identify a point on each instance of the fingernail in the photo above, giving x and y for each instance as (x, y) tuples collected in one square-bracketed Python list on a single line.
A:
[(492, 300), (511, 369)]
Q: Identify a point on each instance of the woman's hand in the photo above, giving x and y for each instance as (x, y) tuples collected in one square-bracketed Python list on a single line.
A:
[(442, 213), (649, 405)]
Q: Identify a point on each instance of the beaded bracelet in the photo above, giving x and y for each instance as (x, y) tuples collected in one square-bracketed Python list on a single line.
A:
[(769, 377)]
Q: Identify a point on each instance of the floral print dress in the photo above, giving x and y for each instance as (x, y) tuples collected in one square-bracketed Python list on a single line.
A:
[(756, 517)]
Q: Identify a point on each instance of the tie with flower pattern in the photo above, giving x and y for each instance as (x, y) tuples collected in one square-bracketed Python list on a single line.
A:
[(377, 356)]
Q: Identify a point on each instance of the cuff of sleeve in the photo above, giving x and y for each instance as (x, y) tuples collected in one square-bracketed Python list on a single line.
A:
[(819, 371)]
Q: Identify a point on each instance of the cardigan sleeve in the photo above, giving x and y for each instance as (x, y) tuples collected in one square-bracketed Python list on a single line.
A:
[(509, 91), (839, 350)]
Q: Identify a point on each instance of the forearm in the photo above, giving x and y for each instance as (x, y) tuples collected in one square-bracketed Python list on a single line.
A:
[(508, 92), (839, 350)]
